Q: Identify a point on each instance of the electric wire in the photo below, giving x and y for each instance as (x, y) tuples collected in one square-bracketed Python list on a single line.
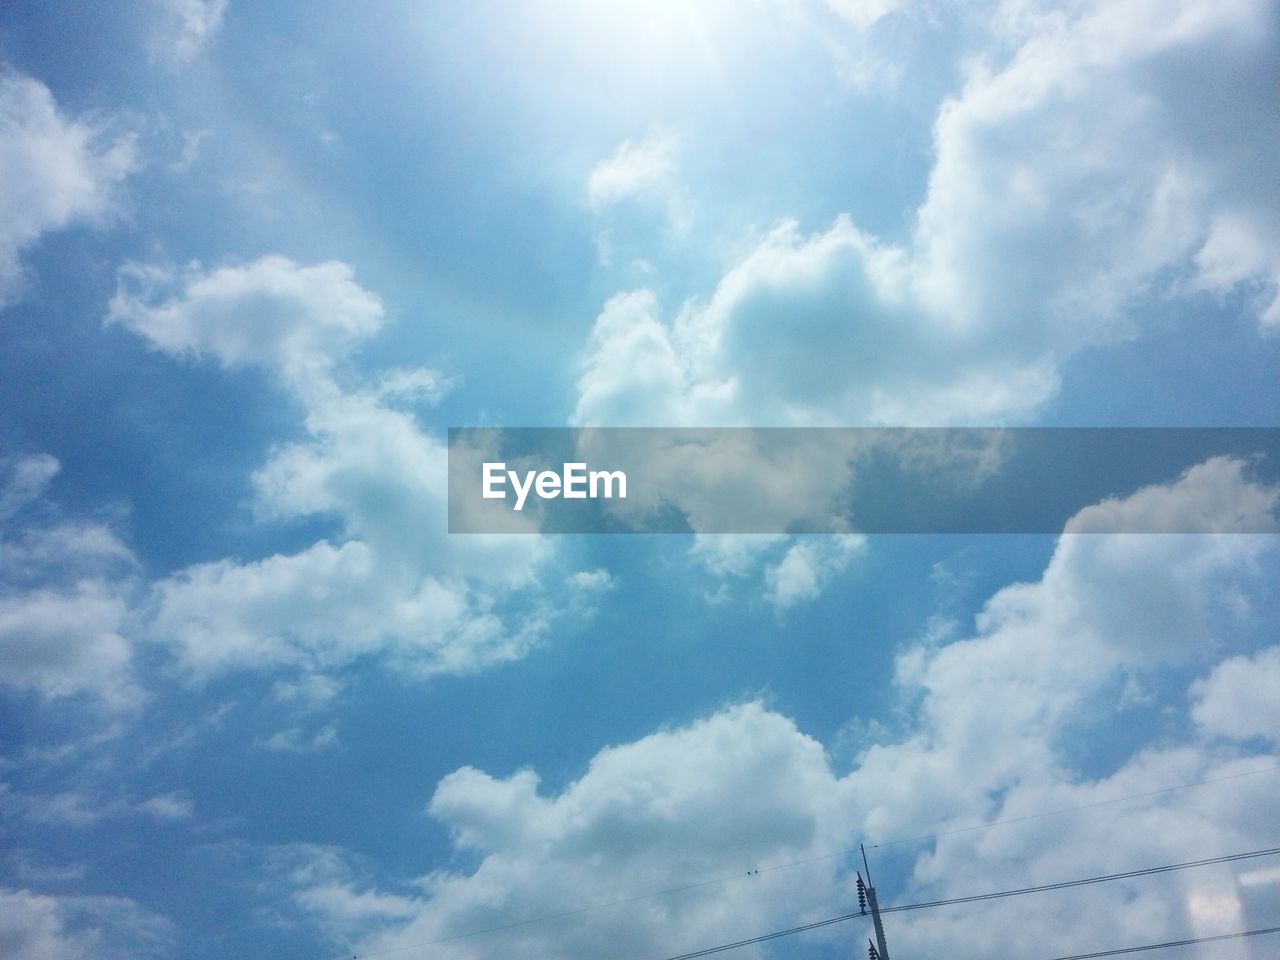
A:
[(898, 908), (1062, 885), (1170, 944), (578, 911), (724, 947)]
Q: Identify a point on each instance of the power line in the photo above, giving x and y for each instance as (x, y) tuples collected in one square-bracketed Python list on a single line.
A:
[(1171, 943), (1149, 871), (721, 948), (578, 911)]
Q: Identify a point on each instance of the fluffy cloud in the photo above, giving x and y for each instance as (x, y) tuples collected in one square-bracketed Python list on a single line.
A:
[(272, 311), (999, 717), (1106, 607), (739, 791), (1214, 492), (62, 642), (65, 591), (36, 926), (1238, 699), (1083, 173), (1088, 171), (429, 602), (1121, 168), (989, 734), (807, 565), (793, 569), (57, 171)]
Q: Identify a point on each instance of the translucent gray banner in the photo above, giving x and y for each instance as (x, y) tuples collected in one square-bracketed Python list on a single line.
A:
[(859, 480)]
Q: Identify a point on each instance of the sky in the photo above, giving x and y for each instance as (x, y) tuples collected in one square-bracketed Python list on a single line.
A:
[(257, 259)]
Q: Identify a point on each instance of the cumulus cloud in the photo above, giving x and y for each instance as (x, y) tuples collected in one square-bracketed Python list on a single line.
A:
[(57, 171), (1238, 699), (392, 581), (65, 587), (736, 792), (1214, 492), (988, 736), (274, 312), (804, 331), (1120, 171), (1082, 170), (1086, 172)]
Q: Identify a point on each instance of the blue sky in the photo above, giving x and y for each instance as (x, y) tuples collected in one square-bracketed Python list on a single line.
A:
[(256, 259)]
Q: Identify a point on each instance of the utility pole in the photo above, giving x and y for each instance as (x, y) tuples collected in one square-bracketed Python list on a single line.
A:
[(867, 896)]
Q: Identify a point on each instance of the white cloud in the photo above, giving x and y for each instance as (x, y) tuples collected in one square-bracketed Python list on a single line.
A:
[(1092, 169), (804, 331), (326, 605), (392, 581), (1088, 170), (272, 311), (64, 587), (807, 566), (1214, 495), (735, 554), (62, 642), (1238, 699), (592, 581), (864, 13), (1000, 714), (167, 806), (990, 734), (80, 808), (296, 740), (417, 385), (790, 570), (191, 24), (57, 171), (28, 478), (1069, 182), (738, 791), (636, 167), (330, 886), (312, 691), (192, 141), (36, 926), (634, 190)]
